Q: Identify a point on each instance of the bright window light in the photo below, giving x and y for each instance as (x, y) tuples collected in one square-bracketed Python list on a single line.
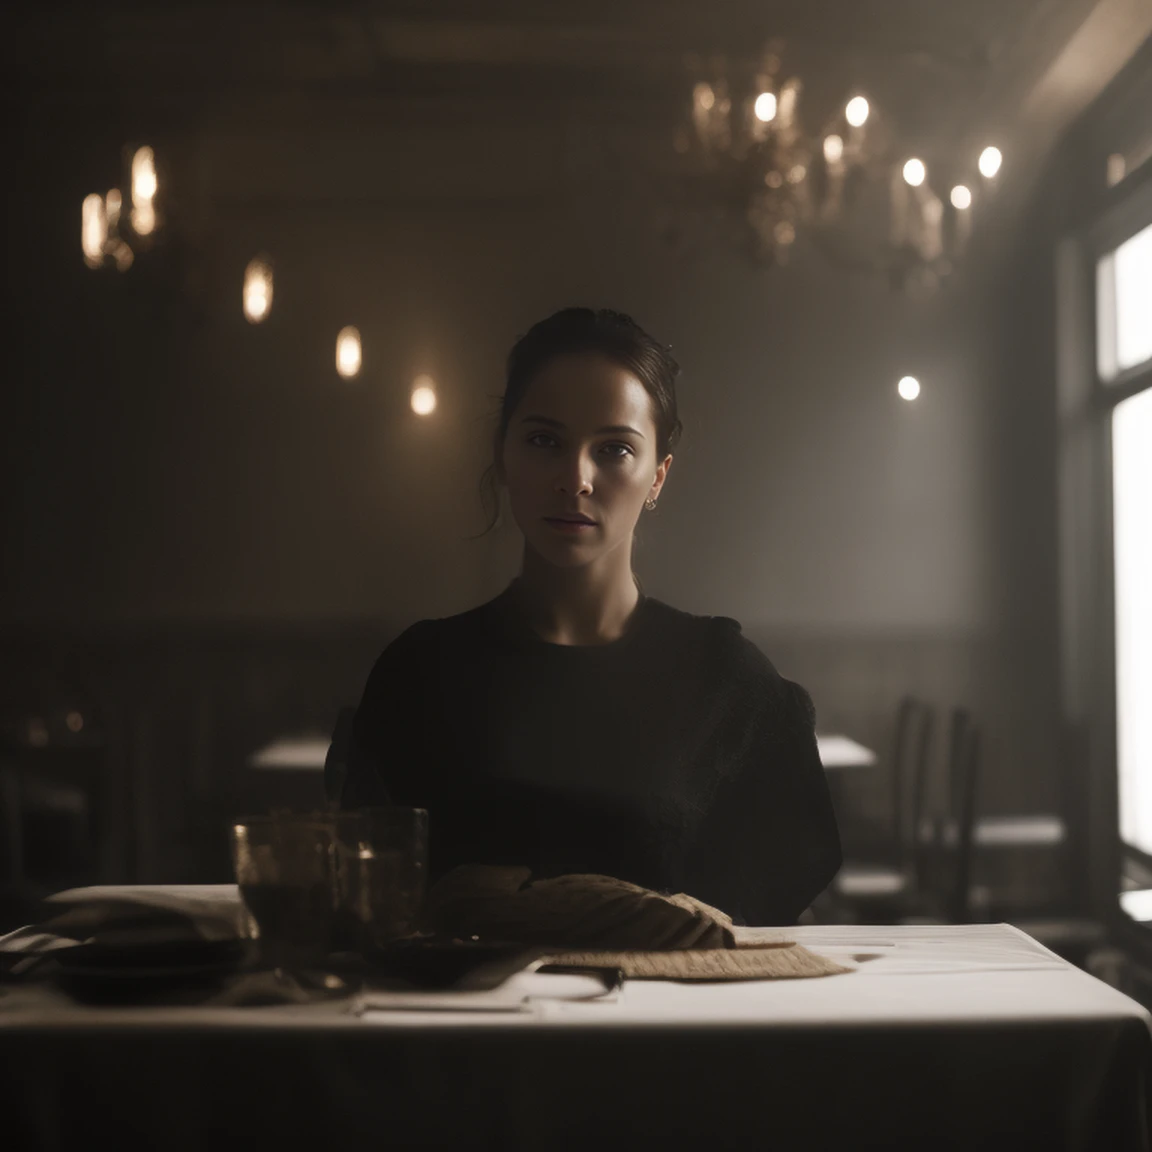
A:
[(1132, 541), (1138, 904), (1124, 306), (1134, 300)]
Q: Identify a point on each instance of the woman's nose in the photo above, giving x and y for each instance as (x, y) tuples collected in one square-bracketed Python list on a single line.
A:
[(575, 475)]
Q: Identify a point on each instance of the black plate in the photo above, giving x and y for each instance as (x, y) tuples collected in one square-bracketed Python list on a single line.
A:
[(96, 973)]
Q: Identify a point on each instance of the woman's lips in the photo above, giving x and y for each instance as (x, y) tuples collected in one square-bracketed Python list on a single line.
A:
[(575, 526)]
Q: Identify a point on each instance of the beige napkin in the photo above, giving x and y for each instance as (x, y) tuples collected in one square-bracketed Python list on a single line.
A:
[(782, 961)]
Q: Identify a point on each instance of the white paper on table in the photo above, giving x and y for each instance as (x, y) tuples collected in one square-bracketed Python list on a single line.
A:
[(523, 991)]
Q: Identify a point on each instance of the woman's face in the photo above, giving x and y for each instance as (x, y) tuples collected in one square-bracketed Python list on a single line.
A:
[(581, 441)]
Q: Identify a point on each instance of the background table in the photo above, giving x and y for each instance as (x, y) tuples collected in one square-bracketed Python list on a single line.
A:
[(307, 751), (837, 751), (947, 1037)]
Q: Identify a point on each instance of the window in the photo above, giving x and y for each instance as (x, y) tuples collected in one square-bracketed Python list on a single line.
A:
[(1132, 550), (1124, 306)]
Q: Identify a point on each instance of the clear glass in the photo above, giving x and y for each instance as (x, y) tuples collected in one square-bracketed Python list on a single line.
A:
[(1124, 306), (382, 868), (285, 866), (324, 882), (1132, 535)]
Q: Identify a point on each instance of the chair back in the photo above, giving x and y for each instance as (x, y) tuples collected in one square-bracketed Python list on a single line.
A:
[(963, 780), (909, 779)]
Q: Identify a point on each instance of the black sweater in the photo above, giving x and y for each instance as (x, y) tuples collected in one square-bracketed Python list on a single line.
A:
[(675, 757)]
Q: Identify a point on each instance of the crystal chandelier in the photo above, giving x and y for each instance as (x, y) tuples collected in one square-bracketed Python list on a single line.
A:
[(845, 188)]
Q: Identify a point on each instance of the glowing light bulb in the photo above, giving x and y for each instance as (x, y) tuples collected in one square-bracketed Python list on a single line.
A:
[(705, 97), (961, 197), (857, 111), (93, 229), (915, 172), (144, 218), (833, 149), (143, 176), (112, 203), (765, 107), (122, 254), (990, 161), (909, 387), (423, 395), (348, 352), (257, 290)]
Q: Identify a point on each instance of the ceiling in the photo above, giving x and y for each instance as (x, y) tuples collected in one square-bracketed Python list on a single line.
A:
[(950, 72), (932, 58)]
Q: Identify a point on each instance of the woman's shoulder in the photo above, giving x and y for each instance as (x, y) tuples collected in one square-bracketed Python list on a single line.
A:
[(434, 629), (721, 636)]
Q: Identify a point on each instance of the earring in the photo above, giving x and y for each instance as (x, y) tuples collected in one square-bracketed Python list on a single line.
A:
[(650, 505)]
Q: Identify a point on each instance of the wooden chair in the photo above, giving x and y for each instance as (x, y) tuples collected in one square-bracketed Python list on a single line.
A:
[(954, 846), (878, 890)]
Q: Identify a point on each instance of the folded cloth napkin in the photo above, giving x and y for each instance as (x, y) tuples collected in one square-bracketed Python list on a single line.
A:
[(152, 928), (577, 912), (146, 914)]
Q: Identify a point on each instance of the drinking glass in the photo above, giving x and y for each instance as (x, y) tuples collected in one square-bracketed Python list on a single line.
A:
[(285, 867), (381, 874)]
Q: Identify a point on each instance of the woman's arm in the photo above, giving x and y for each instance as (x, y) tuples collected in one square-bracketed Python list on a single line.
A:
[(770, 844)]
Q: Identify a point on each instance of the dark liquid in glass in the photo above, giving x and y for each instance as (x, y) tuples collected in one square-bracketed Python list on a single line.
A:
[(294, 920)]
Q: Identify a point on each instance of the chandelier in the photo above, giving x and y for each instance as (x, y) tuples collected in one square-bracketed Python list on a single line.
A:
[(846, 188), (111, 232)]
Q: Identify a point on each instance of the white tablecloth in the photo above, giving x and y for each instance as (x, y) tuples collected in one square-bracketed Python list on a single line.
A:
[(942, 1037)]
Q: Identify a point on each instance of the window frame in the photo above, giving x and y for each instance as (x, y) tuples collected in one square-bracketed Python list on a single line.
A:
[(1085, 403)]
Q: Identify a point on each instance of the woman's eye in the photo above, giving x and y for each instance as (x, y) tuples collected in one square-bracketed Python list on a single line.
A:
[(624, 449)]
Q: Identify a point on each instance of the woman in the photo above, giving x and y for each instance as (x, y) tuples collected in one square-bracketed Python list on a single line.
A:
[(573, 724)]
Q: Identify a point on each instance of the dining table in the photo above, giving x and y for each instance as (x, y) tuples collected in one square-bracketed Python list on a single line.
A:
[(931, 1037)]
